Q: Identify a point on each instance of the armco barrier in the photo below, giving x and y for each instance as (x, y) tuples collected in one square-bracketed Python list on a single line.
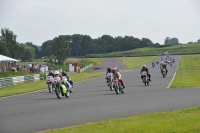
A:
[(85, 68), (18, 79)]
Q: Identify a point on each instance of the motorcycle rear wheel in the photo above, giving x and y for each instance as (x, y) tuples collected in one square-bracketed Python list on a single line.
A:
[(67, 94)]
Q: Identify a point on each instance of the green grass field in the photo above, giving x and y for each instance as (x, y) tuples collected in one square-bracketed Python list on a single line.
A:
[(188, 73), (137, 62), (178, 121), (177, 49)]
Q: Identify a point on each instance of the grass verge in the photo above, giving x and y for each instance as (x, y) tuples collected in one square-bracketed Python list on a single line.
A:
[(188, 72), (186, 79), (136, 62), (178, 121)]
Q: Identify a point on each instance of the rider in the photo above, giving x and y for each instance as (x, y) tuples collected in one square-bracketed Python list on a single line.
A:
[(157, 61), (144, 68), (68, 78), (153, 64), (117, 75), (50, 73), (164, 66), (109, 70)]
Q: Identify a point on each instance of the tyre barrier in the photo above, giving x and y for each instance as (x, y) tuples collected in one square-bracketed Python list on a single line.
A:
[(18, 79)]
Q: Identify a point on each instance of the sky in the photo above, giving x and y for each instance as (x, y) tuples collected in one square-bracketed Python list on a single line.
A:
[(37, 21)]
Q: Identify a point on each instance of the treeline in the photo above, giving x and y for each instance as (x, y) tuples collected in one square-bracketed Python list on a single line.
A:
[(64, 46), (11, 48), (80, 45)]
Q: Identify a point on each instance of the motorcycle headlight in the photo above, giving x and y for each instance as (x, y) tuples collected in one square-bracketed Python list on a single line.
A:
[(55, 82)]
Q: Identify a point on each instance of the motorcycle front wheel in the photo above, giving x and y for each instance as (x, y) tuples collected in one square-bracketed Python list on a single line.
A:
[(116, 89), (110, 85), (58, 92), (50, 88)]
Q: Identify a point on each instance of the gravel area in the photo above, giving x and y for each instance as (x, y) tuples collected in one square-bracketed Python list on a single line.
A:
[(109, 62)]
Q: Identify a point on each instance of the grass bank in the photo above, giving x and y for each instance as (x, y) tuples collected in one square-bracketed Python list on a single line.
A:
[(188, 72), (177, 49), (178, 121)]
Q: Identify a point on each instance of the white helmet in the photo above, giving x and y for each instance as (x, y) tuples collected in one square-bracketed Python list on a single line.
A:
[(56, 73), (161, 62)]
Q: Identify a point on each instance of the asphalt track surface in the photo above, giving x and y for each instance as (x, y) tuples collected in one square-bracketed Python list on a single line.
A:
[(93, 101)]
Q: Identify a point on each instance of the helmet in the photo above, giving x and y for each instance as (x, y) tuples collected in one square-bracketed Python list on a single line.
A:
[(109, 69), (115, 68), (56, 73), (51, 71), (144, 66)]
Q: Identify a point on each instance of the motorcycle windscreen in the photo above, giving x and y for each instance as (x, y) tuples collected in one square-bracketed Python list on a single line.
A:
[(64, 89)]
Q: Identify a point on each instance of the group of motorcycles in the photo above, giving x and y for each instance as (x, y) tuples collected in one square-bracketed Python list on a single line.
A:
[(61, 88), (114, 83)]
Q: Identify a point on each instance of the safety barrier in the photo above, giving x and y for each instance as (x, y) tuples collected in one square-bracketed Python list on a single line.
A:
[(18, 79), (85, 68)]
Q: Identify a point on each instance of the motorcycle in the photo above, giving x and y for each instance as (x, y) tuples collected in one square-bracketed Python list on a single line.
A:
[(164, 73), (49, 82), (60, 88), (157, 62), (153, 65), (145, 78), (117, 85), (109, 78)]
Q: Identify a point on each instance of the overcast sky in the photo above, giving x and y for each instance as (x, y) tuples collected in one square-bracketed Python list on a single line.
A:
[(37, 21)]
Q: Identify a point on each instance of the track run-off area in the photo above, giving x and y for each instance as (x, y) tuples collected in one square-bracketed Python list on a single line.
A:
[(93, 101)]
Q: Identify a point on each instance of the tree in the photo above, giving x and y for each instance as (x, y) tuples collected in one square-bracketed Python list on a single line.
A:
[(167, 41), (174, 41), (29, 53), (198, 40), (62, 49), (3, 48), (10, 39)]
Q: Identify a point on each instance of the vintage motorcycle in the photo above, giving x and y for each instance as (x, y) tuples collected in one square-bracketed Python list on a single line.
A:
[(164, 73), (117, 85), (49, 82), (153, 65), (145, 78), (109, 78), (60, 88)]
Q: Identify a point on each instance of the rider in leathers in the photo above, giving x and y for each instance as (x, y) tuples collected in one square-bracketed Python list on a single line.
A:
[(109, 70), (144, 68), (68, 78), (164, 66), (117, 75)]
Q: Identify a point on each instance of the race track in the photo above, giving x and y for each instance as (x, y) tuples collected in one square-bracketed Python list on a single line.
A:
[(93, 101)]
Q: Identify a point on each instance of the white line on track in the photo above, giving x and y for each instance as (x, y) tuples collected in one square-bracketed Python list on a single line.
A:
[(45, 89), (174, 74)]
